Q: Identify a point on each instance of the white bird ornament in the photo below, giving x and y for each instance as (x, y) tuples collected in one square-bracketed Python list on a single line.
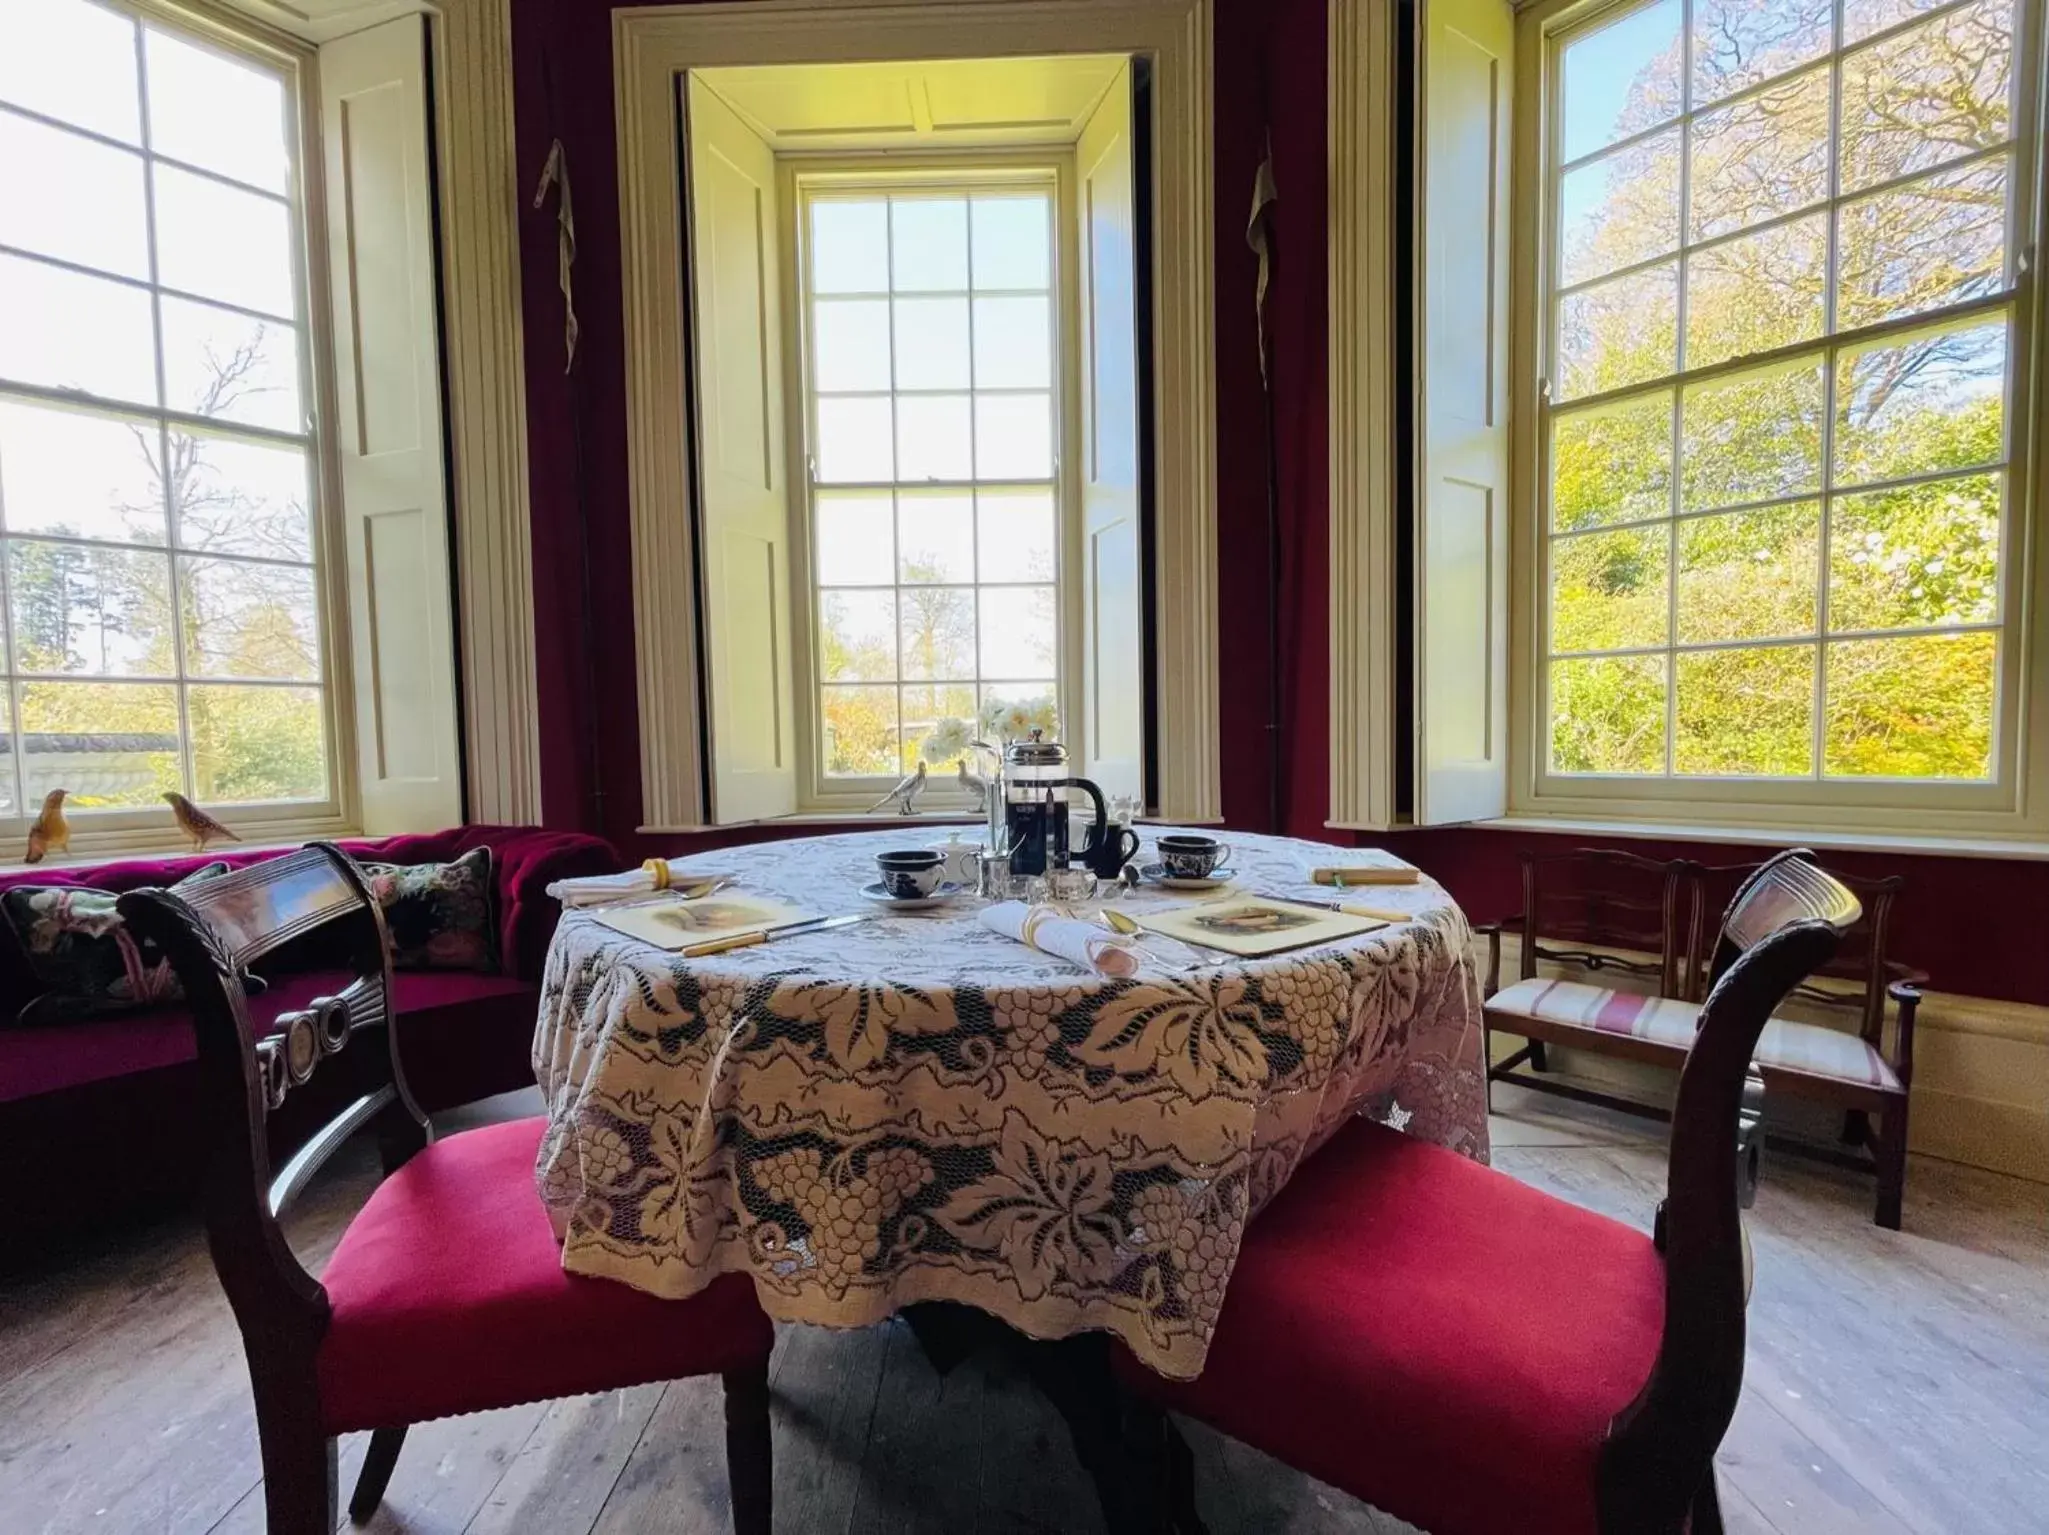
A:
[(905, 794)]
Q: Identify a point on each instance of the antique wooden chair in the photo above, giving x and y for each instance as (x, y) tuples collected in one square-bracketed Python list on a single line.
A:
[(1471, 1354), (446, 1294), (1599, 901)]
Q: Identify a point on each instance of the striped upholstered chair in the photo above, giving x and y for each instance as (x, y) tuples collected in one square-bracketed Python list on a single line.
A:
[(1592, 911)]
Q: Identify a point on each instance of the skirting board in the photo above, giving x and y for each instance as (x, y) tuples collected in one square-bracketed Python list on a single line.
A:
[(1981, 1074)]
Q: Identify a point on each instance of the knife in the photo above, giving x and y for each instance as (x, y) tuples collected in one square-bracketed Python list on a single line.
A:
[(1347, 907), (752, 936)]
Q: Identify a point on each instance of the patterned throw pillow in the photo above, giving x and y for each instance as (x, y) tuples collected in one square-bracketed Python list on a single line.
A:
[(81, 952), (439, 914)]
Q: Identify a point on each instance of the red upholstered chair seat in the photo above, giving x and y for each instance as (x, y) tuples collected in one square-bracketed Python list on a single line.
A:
[(1407, 1324), (449, 1296)]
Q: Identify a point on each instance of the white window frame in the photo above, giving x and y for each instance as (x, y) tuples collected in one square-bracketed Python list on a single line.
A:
[(2015, 804), (964, 173), (97, 833)]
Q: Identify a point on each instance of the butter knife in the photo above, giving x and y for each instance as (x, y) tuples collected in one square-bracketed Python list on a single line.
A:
[(1349, 908), (752, 936)]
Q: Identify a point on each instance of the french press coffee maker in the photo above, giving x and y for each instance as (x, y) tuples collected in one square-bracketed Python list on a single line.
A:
[(1034, 790)]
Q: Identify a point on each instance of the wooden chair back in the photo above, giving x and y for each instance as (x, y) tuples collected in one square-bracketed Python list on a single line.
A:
[(1865, 957), (1580, 903), (212, 933), (1785, 922)]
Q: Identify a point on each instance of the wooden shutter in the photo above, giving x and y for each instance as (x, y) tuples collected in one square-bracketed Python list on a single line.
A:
[(1112, 654), (1462, 268), (743, 501), (387, 426)]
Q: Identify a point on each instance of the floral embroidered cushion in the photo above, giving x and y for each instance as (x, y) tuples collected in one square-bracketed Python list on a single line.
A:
[(87, 962), (438, 914)]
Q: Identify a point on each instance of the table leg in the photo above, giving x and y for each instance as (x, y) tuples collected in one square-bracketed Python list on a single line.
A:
[(1142, 1468)]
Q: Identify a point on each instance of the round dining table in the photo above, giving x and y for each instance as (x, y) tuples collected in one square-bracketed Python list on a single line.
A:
[(918, 1108)]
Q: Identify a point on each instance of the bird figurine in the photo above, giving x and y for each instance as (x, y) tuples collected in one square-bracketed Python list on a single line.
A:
[(197, 824), (51, 833), (973, 784), (905, 794)]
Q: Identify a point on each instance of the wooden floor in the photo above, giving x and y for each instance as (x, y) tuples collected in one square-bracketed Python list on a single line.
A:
[(1896, 1382)]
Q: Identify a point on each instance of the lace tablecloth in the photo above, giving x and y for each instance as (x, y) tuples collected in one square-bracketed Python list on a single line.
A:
[(918, 1109)]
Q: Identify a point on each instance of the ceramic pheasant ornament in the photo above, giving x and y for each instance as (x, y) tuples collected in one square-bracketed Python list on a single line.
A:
[(905, 794), (51, 833), (197, 824)]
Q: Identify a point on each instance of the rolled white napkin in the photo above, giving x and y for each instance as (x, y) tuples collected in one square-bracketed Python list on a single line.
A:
[(601, 889), (1051, 931)]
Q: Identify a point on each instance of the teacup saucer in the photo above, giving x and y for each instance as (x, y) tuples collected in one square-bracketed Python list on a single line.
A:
[(1156, 874), (943, 892)]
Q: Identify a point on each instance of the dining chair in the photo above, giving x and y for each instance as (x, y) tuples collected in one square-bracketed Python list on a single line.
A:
[(446, 1293), (1471, 1354)]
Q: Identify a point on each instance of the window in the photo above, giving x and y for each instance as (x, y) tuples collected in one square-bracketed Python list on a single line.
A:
[(163, 594), (1779, 526), (930, 370)]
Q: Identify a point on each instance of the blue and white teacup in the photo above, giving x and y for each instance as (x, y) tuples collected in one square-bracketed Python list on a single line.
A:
[(1191, 856), (910, 875)]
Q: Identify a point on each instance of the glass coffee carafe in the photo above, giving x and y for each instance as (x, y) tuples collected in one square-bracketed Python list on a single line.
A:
[(1033, 796)]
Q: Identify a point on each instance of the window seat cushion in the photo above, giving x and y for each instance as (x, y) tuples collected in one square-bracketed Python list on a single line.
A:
[(1810, 1049)]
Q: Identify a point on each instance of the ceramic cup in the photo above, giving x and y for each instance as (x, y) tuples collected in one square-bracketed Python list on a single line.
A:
[(1187, 856), (908, 875)]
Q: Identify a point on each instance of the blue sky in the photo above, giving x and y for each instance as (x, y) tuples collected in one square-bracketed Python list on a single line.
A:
[(1601, 66)]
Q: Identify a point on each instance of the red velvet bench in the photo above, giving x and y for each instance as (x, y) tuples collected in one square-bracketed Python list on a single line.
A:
[(97, 1118)]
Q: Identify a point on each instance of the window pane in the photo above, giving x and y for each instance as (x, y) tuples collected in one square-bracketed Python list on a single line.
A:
[(857, 636), (935, 537), (1013, 241), (928, 248), (1745, 712), (1619, 332), (938, 628), (1927, 95), (1738, 43), (860, 726), (1612, 463), (7, 747), (221, 242), (1015, 535), (1748, 575), (72, 61), (854, 440), (68, 197), (939, 722), (257, 743), (1608, 590), (1757, 292), (1760, 157), (110, 744), (1620, 209), (1608, 715), (1918, 556), (81, 475), (240, 497), (854, 541), (1752, 437), (1621, 78), (931, 343), (245, 620), (932, 438), (1933, 242), (1911, 708), (89, 609), (63, 330), (850, 343), (1013, 343), (1014, 436), (1919, 403), (216, 112), (1861, 18), (1019, 631), (231, 366), (849, 247)]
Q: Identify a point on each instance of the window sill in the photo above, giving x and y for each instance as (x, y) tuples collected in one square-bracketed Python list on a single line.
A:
[(91, 849), (2022, 849)]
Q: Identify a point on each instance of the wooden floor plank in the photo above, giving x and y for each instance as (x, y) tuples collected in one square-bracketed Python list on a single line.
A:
[(561, 1480), (921, 1473), (674, 1482), (822, 1403)]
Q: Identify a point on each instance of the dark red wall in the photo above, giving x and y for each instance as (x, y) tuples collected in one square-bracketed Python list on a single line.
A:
[(1968, 921)]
